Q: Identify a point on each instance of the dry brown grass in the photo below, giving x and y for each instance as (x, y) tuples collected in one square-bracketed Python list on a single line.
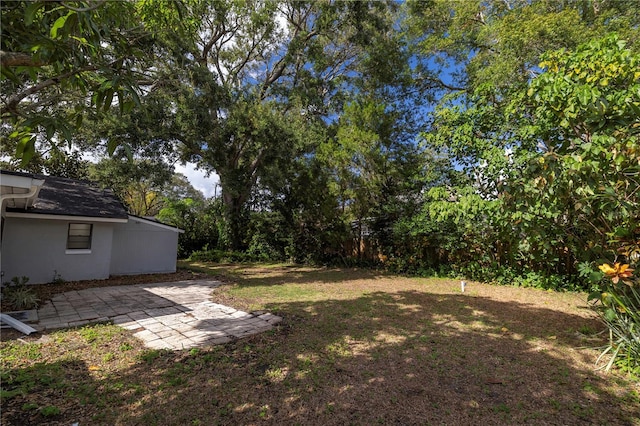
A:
[(355, 347)]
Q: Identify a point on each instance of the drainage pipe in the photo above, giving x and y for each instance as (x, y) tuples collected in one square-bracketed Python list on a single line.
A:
[(18, 325), (31, 193)]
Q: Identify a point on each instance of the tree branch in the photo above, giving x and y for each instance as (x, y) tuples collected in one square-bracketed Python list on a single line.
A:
[(439, 82), (273, 76), (18, 59), (250, 55), (13, 101), (83, 9), (215, 36)]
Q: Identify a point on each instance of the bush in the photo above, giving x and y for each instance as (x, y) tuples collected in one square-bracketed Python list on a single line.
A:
[(537, 280), (263, 250), (18, 295), (221, 256)]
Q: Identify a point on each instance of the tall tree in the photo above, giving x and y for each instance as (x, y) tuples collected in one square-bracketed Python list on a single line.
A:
[(585, 115), (138, 183), (499, 42), (492, 50), (252, 74), (376, 167)]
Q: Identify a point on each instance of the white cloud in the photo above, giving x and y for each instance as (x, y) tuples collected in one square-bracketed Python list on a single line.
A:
[(199, 180)]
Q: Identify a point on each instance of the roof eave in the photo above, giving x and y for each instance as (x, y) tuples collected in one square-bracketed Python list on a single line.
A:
[(156, 223), (45, 216)]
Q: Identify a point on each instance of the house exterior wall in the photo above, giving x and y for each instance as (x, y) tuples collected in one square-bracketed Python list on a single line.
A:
[(36, 248), (143, 248)]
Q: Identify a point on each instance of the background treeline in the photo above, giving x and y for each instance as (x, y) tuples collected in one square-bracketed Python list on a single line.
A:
[(497, 140)]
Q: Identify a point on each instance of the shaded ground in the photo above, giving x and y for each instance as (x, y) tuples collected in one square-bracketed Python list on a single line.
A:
[(355, 347), (46, 291)]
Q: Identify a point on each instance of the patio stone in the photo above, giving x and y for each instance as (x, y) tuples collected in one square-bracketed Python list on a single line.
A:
[(138, 315), (163, 315), (130, 326), (166, 333)]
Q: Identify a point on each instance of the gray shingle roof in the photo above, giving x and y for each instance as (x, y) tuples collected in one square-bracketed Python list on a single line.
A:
[(62, 196)]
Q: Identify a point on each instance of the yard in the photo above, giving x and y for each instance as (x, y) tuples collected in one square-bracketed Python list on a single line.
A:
[(355, 347)]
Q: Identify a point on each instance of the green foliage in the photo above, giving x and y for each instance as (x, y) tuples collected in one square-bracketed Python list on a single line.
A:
[(263, 114), (537, 280), (593, 89), (19, 351), (376, 173), (50, 411), (499, 43), (18, 295), (458, 229), (618, 305), (200, 219), (222, 256), (55, 162), (57, 278), (22, 381), (58, 59), (137, 183), (89, 334), (262, 139), (269, 240), (149, 356), (585, 109), (550, 171)]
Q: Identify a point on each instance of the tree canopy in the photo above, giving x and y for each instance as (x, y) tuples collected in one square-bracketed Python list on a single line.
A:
[(59, 58), (492, 139)]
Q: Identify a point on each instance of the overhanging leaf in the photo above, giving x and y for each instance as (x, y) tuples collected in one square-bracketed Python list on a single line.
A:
[(58, 25), (111, 146), (26, 149)]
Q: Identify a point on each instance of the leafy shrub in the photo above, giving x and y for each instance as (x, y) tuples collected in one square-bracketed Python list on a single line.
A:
[(199, 218), (545, 282), (57, 278), (618, 305), (18, 295), (222, 256), (261, 249)]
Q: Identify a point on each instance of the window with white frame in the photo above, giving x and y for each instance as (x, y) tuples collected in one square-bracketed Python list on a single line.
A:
[(79, 236)]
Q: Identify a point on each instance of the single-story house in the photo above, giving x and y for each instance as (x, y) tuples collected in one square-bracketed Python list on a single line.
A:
[(56, 228)]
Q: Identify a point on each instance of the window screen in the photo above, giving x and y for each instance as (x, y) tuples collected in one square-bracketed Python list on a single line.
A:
[(79, 236)]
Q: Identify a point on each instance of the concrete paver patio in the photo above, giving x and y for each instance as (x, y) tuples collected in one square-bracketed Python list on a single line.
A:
[(176, 315)]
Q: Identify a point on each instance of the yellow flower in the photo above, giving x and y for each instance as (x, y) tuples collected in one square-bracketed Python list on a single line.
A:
[(616, 271)]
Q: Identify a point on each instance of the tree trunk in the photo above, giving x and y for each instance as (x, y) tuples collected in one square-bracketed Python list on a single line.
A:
[(237, 184), (234, 218), (234, 197)]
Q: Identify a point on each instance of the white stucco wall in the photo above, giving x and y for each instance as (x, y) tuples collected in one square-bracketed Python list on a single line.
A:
[(143, 248), (36, 248)]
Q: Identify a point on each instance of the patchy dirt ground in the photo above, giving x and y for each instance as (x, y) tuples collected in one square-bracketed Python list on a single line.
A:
[(355, 347)]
